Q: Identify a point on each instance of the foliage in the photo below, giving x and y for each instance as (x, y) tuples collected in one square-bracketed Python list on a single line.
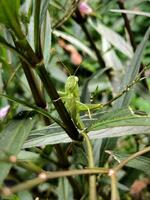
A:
[(74, 87)]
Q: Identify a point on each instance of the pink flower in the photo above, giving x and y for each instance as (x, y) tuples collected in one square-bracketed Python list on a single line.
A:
[(85, 9), (4, 111)]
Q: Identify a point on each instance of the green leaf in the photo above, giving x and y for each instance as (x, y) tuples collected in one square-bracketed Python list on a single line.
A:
[(114, 38), (28, 156), (40, 13), (123, 117), (110, 56), (131, 73), (132, 12), (43, 10), (9, 16), (11, 140), (27, 104), (4, 43), (6, 6), (124, 100), (46, 35), (75, 42), (64, 190), (141, 163), (14, 197), (52, 134), (25, 195), (112, 124)]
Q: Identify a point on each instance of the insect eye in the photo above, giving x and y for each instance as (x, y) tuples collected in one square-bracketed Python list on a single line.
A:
[(76, 79)]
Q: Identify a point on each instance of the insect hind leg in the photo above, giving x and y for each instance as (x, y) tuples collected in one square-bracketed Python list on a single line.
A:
[(84, 107)]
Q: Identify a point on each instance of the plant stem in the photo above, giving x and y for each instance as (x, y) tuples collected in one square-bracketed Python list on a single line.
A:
[(127, 88), (114, 189), (51, 175), (37, 30), (112, 172), (79, 19), (92, 178), (124, 162), (24, 164), (127, 24), (69, 12)]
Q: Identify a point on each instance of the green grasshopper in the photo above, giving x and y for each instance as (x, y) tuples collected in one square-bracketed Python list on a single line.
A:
[(71, 98)]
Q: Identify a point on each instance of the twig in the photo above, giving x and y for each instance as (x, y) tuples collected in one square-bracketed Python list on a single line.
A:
[(44, 176), (24, 164), (92, 178), (124, 162), (127, 24), (80, 20), (69, 12), (114, 189), (127, 88)]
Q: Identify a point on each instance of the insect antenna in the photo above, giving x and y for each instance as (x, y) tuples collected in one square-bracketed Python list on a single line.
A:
[(63, 64), (78, 66), (77, 69)]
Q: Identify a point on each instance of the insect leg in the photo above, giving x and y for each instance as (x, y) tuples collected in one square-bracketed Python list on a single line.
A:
[(83, 107)]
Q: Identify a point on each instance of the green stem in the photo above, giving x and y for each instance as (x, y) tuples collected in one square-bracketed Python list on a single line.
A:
[(114, 189), (124, 162), (92, 178), (80, 20), (37, 29), (28, 165), (127, 24), (51, 175), (69, 12)]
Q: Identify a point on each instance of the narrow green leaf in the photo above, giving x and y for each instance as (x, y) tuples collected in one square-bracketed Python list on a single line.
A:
[(37, 109), (39, 16), (46, 35), (25, 195), (6, 16), (111, 58), (114, 38), (132, 12), (110, 125), (47, 135), (4, 43), (75, 42), (119, 131), (9, 15), (28, 156), (132, 72), (50, 135), (124, 100), (11, 140), (43, 10), (64, 190), (121, 121)]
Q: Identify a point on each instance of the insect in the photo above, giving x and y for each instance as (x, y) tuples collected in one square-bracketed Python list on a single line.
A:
[(71, 99)]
